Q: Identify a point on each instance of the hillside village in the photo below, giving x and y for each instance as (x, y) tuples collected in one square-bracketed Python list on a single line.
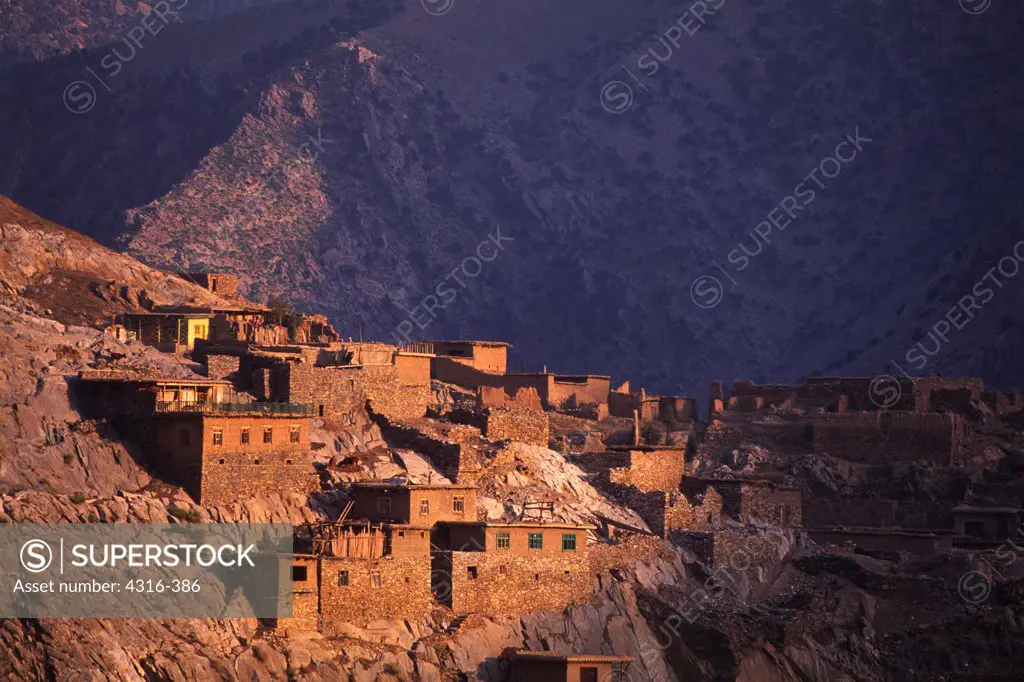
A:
[(403, 546), (429, 483)]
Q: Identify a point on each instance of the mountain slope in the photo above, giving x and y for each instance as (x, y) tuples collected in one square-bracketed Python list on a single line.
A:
[(437, 130)]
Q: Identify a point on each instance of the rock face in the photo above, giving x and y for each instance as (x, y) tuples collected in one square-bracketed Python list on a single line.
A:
[(353, 155)]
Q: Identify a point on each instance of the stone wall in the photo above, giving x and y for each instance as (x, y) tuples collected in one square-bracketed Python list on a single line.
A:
[(506, 584), (304, 572), (339, 391), (880, 437), (222, 366), (458, 463), (517, 423), (403, 591), (651, 469), (886, 541)]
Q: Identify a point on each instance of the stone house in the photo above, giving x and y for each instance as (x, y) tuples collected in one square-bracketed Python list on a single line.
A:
[(422, 504), (995, 524), (751, 499), (548, 666), (510, 568), (224, 452)]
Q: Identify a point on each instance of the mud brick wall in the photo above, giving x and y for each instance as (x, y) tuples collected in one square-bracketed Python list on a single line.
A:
[(1003, 402), (404, 591), (651, 470), (413, 370), (925, 388), (518, 424), (451, 371), (767, 504), (746, 403), (507, 584), (591, 391), (221, 366), (622, 404), (732, 434), (877, 437), (491, 396), (305, 595)]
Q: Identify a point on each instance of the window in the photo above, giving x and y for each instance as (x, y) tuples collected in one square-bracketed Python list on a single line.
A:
[(218, 437), (459, 504), (471, 572), (184, 437), (589, 675), (375, 579), (268, 434), (536, 541), (424, 507), (974, 529), (244, 438), (342, 578), (503, 570), (383, 505), (220, 461), (298, 574), (256, 461), (293, 434), (503, 540), (287, 461), (568, 542), (321, 410)]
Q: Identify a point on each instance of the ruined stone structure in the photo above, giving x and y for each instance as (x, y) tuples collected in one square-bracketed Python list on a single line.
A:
[(879, 437), (747, 500), (738, 550), (509, 569), (521, 424), (622, 403), (219, 283), (218, 457), (650, 467), (840, 394)]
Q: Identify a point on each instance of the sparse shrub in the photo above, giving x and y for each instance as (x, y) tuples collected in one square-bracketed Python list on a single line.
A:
[(68, 458), (92, 518), (650, 432), (78, 498)]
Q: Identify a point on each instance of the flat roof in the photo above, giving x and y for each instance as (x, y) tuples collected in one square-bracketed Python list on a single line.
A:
[(411, 486), (521, 524), (191, 315), (559, 377), (114, 376), (551, 656), (504, 344), (970, 509)]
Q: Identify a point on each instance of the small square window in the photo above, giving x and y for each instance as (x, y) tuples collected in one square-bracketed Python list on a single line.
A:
[(503, 570), (244, 438), (293, 434), (287, 461), (383, 505), (268, 435), (218, 437), (220, 461), (342, 578), (299, 574), (536, 541), (503, 540), (375, 579), (256, 461), (459, 504), (471, 572), (424, 507), (568, 542)]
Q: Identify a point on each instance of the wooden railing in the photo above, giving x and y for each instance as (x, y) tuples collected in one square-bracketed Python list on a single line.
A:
[(256, 408)]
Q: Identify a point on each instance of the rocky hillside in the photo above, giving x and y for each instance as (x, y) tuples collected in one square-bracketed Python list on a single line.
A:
[(352, 156)]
